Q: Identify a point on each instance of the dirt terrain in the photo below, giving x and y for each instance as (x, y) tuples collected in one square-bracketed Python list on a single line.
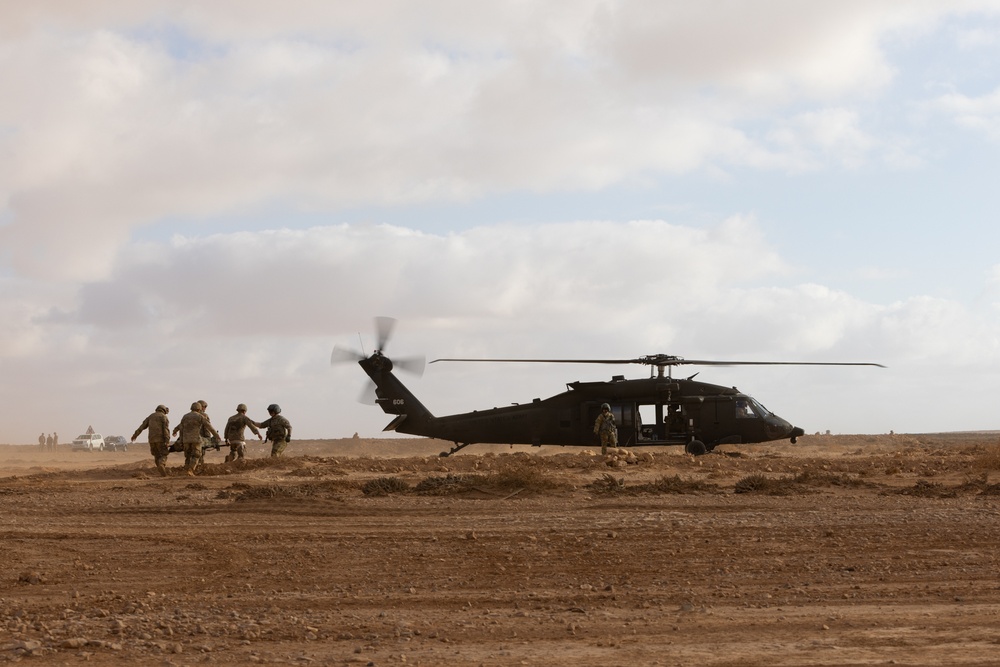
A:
[(841, 550)]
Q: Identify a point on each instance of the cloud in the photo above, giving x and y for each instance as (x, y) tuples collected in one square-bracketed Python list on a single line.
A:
[(251, 317), (816, 137), (978, 113), (122, 114), (318, 277)]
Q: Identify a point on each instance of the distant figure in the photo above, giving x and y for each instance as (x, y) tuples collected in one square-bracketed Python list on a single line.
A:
[(90, 430), (41, 441), (279, 430), (55, 439), (190, 429), (159, 436), (606, 428), (235, 430), (48, 443)]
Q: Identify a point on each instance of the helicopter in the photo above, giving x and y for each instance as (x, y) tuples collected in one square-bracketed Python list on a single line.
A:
[(656, 411)]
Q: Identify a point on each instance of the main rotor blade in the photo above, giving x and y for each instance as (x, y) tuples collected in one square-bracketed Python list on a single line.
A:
[(383, 329), (667, 360), (705, 362), (550, 361)]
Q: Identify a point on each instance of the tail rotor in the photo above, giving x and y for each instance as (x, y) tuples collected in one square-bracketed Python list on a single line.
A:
[(384, 327)]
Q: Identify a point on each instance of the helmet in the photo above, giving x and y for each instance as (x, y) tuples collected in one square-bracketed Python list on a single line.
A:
[(196, 406), (204, 405), (242, 407), (274, 407), (605, 406), (162, 408)]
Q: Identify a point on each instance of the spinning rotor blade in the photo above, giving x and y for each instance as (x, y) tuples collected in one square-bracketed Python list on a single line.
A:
[(670, 360), (704, 362), (550, 361), (413, 365), (368, 395), (341, 355), (384, 327), (383, 330)]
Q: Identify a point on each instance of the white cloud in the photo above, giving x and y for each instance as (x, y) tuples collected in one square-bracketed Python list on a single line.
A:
[(121, 114), (816, 137), (252, 316), (980, 113)]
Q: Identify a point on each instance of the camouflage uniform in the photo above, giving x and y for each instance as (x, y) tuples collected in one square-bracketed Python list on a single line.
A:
[(207, 438), (279, 433), (190, 429), (159, 436), (235, 428), (606, 428)]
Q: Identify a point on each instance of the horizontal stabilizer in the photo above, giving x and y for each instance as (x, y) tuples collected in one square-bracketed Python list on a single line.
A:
[(394, 424)]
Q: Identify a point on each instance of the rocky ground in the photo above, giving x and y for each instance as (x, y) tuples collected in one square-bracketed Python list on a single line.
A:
[(841, 550)]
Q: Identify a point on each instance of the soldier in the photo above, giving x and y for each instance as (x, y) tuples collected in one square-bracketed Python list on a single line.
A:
[(159, 436), (190, 429), (235, 428), (41, 441), (279, 430), (207, 440), (606, 428), (55, 439), (48, 443)]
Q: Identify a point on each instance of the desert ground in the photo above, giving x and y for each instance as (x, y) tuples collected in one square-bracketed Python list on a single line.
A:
[(839, 550)]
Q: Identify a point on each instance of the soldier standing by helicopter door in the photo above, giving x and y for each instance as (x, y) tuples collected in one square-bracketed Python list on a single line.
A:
[(606, 428)]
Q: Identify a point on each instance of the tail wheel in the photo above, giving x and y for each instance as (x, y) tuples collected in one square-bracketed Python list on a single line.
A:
[(695, 448)]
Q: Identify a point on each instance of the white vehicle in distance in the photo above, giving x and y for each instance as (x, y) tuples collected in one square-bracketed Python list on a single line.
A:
[(88, 443)]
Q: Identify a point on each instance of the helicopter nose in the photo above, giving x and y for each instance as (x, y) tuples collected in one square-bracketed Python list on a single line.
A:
[(779, 429)]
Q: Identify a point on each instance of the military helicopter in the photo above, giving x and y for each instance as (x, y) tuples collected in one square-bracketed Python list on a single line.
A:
[(655, 411)]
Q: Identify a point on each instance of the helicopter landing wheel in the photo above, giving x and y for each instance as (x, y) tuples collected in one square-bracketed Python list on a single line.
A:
[(695, 448)]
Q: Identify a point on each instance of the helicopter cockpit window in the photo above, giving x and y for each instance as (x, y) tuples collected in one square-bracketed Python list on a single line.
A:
[(758, 408), (744, 409)]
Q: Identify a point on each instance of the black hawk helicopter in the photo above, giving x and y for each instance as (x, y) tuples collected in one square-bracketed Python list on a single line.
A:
[(655, 411)]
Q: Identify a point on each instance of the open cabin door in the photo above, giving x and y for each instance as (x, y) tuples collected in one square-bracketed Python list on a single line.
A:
[(662, 422)]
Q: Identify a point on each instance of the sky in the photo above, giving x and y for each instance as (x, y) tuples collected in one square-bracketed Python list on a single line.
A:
[(200, 200)]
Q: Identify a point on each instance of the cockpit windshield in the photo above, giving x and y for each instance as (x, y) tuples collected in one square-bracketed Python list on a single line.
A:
[(748, 408), (758, 408)]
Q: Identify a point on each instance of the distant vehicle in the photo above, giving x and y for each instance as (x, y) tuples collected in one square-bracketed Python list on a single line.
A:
[(116, 443), (92, 442)]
